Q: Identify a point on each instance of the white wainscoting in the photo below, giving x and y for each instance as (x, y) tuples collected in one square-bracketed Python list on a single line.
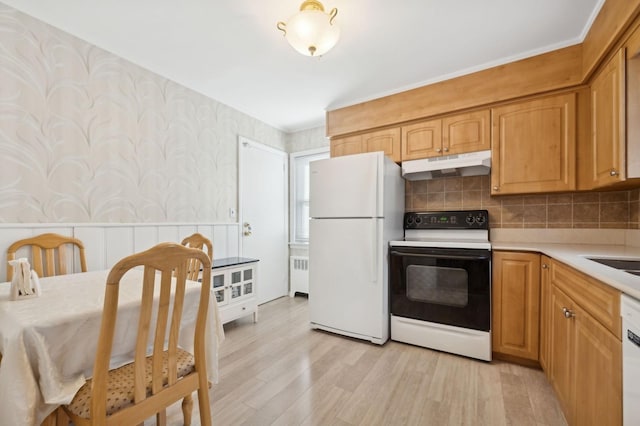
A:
[(105, 244)]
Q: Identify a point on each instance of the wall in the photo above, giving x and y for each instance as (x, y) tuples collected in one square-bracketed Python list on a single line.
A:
[(307, 139), (615, 209), (105, 244), (86, 136)]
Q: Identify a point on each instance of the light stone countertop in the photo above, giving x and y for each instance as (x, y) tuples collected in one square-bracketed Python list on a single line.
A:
[(575, 255)]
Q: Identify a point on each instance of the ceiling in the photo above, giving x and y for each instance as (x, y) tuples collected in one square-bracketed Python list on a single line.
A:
[(231, 51)]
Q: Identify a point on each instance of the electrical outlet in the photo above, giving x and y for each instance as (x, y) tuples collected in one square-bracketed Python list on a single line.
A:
[(232, 212)]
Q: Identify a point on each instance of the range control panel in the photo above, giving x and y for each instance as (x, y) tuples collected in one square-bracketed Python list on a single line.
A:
[(458, 219)]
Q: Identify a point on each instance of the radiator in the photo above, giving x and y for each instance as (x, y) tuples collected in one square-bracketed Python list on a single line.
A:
[(299, 274)]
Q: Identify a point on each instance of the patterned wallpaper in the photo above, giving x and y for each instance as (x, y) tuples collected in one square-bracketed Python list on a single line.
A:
[(307, 139), (86, 136)]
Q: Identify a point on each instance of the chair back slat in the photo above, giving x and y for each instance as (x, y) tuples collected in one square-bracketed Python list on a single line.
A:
[(62, 259), (50, 262), (174, 331), (161, 330), (54, 260), (200, 242), (144, 324), (38, 266)]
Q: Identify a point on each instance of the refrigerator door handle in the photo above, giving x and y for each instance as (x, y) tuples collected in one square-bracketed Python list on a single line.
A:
[(374, 251)]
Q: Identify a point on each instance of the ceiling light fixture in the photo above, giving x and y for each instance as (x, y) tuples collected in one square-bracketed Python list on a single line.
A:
[(311, 31)]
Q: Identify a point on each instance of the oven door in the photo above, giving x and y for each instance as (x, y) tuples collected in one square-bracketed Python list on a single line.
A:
[(441, 285)]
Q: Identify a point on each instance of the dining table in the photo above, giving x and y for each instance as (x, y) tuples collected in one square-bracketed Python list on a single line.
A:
[(48, 343)]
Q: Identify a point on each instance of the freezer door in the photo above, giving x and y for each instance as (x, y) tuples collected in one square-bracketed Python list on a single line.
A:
[(348, 186), (347, 289)]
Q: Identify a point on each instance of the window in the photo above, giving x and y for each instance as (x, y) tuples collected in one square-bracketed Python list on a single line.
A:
[(299, 162)]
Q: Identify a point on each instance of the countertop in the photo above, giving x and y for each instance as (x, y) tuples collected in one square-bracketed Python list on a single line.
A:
[(231, 261), (575, 255)]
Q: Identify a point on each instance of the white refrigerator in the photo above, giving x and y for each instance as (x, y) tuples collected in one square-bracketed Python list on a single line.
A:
[(356, 208)]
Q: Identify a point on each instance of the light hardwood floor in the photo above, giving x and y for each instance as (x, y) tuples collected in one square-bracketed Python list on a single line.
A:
[(280, 372)]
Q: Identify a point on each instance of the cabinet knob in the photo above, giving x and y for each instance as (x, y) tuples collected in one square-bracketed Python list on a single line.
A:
[(568, 313), (496, 188), (446, 150), (438, 150), (545, 266), (614, 172)]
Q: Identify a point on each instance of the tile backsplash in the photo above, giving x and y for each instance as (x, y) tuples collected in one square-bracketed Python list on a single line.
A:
[(606, 209)]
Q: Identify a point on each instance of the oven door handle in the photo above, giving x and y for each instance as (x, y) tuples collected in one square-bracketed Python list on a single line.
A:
[(440, 256)]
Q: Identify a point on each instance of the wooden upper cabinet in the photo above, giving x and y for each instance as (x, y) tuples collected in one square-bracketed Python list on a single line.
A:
[(346, 146), (387, 140), (608, 157), (466, 133), (450, 135), (422, 140), (533, 146)]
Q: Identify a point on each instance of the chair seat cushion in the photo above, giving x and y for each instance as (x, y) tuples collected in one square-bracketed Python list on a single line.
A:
[(120, 385)]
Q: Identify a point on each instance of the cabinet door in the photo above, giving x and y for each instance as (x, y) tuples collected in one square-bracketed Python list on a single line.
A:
[(387, 140), (219, 283), (608, 123), (545, 311), (466, 132), (533, 146), (241, 283), (248, 281), (598, 373), (516, 301), (346, 146), (422, 140), (561, 367)]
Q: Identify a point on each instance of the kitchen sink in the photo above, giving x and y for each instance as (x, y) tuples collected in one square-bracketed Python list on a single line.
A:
[(631, 266)]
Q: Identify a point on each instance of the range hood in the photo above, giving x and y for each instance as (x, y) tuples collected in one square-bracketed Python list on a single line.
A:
[(469, 164)]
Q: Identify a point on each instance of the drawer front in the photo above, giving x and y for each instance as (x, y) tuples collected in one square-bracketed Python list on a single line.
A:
[(238, 310), (599, 300)]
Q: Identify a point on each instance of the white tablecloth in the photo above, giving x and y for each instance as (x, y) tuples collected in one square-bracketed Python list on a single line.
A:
[(48, 343)]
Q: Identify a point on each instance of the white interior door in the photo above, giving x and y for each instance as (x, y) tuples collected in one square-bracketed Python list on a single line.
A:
[(263, 215)]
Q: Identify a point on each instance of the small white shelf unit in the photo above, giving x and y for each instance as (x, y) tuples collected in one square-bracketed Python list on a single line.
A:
[(233, 280)]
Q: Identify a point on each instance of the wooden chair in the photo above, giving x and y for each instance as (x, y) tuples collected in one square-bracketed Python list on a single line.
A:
[(136, 391), (54, 247), (197, 241)]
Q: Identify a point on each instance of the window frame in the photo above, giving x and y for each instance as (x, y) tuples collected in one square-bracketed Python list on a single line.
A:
[(293, 191)]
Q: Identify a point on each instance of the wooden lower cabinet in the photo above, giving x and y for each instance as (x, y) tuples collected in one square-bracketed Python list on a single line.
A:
[(561, 370), (545, 311), (584, 362), (515, 304), (597, 359)]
